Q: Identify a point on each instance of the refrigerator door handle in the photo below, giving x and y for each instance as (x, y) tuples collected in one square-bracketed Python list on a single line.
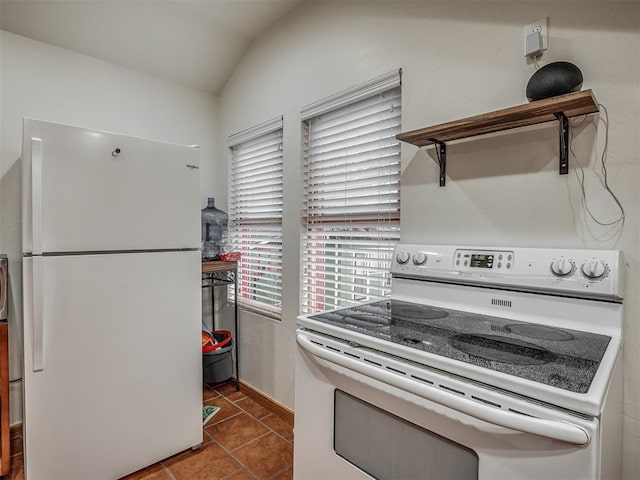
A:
[(38, 316), (4, 288), (36, 195)]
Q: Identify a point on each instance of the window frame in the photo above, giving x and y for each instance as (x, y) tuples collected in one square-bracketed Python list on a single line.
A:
[(352, 97), (249, 296)]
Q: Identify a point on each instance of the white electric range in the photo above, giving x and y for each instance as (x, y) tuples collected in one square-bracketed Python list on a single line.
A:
[(485, 363)]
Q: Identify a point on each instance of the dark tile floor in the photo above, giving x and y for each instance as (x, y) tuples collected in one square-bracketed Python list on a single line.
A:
[(243, 441)]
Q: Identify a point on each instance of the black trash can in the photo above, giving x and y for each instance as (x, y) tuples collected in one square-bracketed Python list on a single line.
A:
[(217, 365)]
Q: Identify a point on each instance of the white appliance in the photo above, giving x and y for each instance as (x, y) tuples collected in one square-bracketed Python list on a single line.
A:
[(485, 363), (111, 292)]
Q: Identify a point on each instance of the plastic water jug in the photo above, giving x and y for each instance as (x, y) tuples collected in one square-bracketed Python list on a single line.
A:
[(214, 231)]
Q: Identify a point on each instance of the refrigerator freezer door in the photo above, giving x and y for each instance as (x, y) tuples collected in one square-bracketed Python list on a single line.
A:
[(87, 197), (121, 384)]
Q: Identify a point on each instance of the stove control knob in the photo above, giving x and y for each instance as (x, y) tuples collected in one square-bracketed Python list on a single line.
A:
[(402, 257), (594, 269), (419, 258), (562, 267)]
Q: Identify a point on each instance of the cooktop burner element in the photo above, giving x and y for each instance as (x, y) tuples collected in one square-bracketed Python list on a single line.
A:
[(367, 320), (541, 332), (420, 312), (563, 358), (500, 349)]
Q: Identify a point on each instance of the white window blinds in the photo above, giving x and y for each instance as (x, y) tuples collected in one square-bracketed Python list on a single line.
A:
[(351, 202), (255, 219)]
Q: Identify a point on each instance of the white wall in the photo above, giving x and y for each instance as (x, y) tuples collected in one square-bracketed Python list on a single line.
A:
[(45, 82), (457, 60)]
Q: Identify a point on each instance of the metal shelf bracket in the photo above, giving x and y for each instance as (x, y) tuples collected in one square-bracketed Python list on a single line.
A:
[(564, 142), (441, 153), (563, 120)]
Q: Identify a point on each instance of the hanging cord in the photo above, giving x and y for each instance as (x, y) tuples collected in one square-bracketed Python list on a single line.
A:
[(535, 61), (603, 167)]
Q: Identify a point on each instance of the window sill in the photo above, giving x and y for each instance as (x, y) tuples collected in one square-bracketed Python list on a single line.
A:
[(260, 311)]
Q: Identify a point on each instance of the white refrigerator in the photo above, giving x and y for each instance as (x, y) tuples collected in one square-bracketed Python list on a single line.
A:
[(112, 302)]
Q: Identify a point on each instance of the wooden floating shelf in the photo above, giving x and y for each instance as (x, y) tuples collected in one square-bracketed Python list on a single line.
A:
[(559, 108), (540, 111)]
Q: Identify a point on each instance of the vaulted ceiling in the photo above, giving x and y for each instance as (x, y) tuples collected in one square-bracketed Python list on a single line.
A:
[(197, 43)]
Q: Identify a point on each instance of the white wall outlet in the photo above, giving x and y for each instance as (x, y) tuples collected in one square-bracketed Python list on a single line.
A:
[(537, 26)]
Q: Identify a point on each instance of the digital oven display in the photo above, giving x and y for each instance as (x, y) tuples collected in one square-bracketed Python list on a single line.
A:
[(481, 261)]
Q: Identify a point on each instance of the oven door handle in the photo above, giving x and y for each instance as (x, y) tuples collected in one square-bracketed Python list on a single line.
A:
[(557, 430)]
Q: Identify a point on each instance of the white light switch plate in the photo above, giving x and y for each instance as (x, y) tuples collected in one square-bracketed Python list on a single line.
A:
[(537, 26)]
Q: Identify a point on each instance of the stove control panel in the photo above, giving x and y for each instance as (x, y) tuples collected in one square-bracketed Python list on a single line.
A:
[(585, 273), (483, 260)]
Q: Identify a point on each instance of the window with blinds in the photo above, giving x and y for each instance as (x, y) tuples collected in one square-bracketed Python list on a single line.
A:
[(351, 200), (255, 216)]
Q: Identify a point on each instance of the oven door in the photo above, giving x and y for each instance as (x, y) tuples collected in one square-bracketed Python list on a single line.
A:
[(362, 414)]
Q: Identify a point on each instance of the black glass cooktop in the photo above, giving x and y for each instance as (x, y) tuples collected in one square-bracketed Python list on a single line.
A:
[(563, 358)]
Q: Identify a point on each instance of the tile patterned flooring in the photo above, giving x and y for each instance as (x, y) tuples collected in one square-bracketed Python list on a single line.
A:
[(243, 441)]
